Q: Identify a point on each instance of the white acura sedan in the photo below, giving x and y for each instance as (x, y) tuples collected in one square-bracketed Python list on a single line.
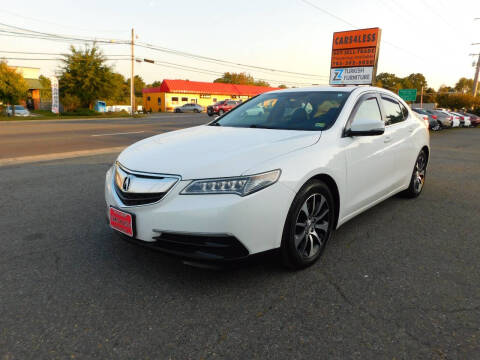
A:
[(281, 171)]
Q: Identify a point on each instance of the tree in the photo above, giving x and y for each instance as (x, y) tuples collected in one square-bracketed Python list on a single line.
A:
[(282, 86), (138, 85), (389, 81), (85, 76), (13, 86), (156, 83), (240, 79), (429, 95), (464, 85), (457, 101), (120, 90), (46, 90), (445, 89), (414, 81)]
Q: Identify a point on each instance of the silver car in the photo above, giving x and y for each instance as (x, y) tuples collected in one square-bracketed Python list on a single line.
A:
[(189, 108), (19, 111)]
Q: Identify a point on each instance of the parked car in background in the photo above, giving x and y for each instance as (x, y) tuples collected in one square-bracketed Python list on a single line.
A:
[(19, 111), (474, 119), (430, 119), (444, 119), (455, 118), (189, 108), (464, 119), (222, 107)]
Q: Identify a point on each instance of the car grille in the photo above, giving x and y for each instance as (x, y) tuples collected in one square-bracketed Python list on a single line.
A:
[(135, 188), (132, 199)]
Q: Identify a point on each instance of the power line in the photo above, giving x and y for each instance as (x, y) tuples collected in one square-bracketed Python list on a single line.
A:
[(53, 59), (201, 57), (357, 27), (48, 36), (56, 24), (217, 73), (47, 53)]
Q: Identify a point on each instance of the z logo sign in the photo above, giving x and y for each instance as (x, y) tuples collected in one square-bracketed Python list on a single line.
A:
[(338, 75)]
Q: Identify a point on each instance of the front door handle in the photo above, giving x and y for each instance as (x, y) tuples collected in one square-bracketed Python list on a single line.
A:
[(387, 139), (411, 128)]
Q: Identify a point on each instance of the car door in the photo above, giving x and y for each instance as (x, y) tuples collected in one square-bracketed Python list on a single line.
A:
[(370, 160), (400, 128)]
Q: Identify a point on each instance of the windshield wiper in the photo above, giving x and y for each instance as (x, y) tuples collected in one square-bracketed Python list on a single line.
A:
[(259, 126), (215, 124)]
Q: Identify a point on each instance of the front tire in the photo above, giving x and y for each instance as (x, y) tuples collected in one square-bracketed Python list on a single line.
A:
[(220, 112), (417, 181), (310, 224)]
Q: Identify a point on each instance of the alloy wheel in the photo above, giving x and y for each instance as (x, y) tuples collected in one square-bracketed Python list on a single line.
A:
[(311, 226), (419, 172)]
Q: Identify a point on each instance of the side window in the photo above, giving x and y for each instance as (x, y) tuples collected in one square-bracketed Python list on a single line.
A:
[(393, 113), (405, 112), (368, 110)]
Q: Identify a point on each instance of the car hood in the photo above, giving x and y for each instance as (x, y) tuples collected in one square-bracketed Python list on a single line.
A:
[(212, 151)]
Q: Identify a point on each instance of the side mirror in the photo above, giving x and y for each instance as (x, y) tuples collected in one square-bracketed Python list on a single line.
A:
[(365, 127)]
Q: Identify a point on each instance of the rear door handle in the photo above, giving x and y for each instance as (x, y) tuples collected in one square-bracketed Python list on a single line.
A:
[(387, 139), (411, 128)]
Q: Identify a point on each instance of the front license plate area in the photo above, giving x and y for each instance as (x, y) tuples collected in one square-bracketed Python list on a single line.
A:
[(122, 221)]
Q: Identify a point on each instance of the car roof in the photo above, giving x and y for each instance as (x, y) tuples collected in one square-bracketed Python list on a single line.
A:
[(350, 89)]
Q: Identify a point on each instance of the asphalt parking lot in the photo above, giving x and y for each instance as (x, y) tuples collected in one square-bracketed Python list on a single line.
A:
[(400, 281)]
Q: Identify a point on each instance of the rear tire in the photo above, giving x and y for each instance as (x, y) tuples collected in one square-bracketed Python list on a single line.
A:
[(417, 180), (310, 224)]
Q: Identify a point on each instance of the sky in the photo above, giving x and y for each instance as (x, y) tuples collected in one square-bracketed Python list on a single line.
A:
[(432, 37)]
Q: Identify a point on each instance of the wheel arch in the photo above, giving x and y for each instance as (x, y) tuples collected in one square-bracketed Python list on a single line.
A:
[(427, 151), (332, 185)]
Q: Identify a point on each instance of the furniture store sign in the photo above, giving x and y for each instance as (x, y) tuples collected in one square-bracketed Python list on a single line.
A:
[(354, 57)]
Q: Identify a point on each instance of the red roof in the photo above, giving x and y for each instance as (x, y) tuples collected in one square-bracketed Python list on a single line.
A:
[(198, 87)]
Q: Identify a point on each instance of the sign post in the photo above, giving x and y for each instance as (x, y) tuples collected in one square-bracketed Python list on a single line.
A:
[(355, 57), (408, 94)]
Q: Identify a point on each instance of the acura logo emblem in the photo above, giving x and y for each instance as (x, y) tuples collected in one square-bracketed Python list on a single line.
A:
[(126, 183)]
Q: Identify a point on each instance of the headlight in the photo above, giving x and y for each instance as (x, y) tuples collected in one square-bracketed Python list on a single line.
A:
[(242, 185)]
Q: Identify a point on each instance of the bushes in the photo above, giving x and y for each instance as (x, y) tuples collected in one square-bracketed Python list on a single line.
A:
[(81, 112)]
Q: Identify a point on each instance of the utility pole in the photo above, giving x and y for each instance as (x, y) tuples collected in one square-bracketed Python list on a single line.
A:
[(475, 79), (132, 87), (421, 99)]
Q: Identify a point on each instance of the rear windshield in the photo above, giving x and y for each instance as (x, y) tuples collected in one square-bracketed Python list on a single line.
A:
[(309, 110), (420, 111)]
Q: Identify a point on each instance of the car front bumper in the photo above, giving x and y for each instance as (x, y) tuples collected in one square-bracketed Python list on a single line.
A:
[(212, 226)]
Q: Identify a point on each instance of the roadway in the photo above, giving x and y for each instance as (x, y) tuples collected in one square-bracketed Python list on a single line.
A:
[(400, 281), (40, 137)]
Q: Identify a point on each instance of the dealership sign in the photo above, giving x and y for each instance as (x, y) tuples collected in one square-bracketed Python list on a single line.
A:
[(354, 57), (55, 101)]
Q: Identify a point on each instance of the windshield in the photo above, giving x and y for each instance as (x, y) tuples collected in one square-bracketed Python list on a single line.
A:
[(309, 110)]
